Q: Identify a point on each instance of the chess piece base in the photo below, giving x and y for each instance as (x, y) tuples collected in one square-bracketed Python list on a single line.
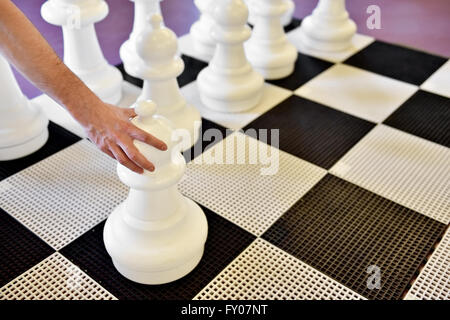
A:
[(272, 65), (161, 277), (235, 93), (24, 149), (275, 73), (156, 252)]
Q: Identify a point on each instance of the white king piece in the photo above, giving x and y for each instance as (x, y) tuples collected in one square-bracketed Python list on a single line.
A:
[(23, 127), (82, 52), (328, 28), (156, 235), (159, 66)]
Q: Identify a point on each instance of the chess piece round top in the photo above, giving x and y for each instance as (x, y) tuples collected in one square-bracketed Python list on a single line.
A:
[(156, 44), (169, 165), (230, 13)]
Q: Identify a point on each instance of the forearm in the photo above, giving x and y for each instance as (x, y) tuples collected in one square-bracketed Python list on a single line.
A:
[(23, 45)]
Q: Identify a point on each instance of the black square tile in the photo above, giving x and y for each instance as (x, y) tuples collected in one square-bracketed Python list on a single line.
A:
[(136, 81), (306, 68), (59, 138), (20, 249), (312, 131), (295, 23), (225, 242), (341, 230), (192, 68), (426, 115), (397, 62), (211, 133)]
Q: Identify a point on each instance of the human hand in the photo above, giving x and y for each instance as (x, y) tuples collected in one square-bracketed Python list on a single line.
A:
[(110, 128)]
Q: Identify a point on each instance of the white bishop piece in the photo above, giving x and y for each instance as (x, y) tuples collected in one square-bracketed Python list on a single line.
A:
[(159, 66), (229, 83), (23, 128), (268, 49), (328, 28), (156, 235), (142, 10), (286, 18), (82, 53), (201, 30)]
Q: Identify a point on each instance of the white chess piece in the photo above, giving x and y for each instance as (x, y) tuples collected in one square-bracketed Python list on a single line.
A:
[(286, 18), (156, 235), (23, 127), (229, 83), (268, 49), (142, 10), (82, 52), (328, 28), (159, 66), (201, 30)]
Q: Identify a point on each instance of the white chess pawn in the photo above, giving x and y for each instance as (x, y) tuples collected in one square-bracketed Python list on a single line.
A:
[(23, 127), (142, 10), (156, 235), (328, 28), (201, 30), (286, 18), (159, 66), (82, 52), (268, 49), (229, 83)]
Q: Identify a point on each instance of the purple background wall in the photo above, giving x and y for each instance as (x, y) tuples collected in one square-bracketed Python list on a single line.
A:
[(423, 24)]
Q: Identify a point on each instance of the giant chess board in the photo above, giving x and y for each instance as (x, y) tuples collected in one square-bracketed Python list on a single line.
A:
[(362, 189)]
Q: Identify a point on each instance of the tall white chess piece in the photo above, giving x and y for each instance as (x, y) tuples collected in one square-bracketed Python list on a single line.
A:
[(286, 18), (268, 49), (23, 127), (156, 235), (201, 30), (82, 52), (159, 66), (328, 28), (229, 83), (142, 10)]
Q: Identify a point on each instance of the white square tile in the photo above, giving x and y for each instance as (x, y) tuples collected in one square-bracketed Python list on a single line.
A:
[(61, 116), (401, 167), (272, 96), (433, 282), (250, 191), (64, 195), (439, 82), (55, 278), (359, 42), (358, 92), (186, 47), (265, 272)]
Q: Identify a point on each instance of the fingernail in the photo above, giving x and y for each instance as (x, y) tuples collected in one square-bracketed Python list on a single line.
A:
[(152, 168), (164, 147)]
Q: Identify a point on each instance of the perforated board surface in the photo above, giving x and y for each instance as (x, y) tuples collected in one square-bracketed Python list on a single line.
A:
[(433, 282), (55, 278), (362, 182)]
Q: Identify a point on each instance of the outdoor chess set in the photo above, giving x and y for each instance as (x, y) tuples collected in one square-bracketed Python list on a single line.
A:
[(358, 134)]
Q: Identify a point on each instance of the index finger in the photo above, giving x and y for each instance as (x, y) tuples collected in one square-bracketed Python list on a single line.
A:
[(146, 137)]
